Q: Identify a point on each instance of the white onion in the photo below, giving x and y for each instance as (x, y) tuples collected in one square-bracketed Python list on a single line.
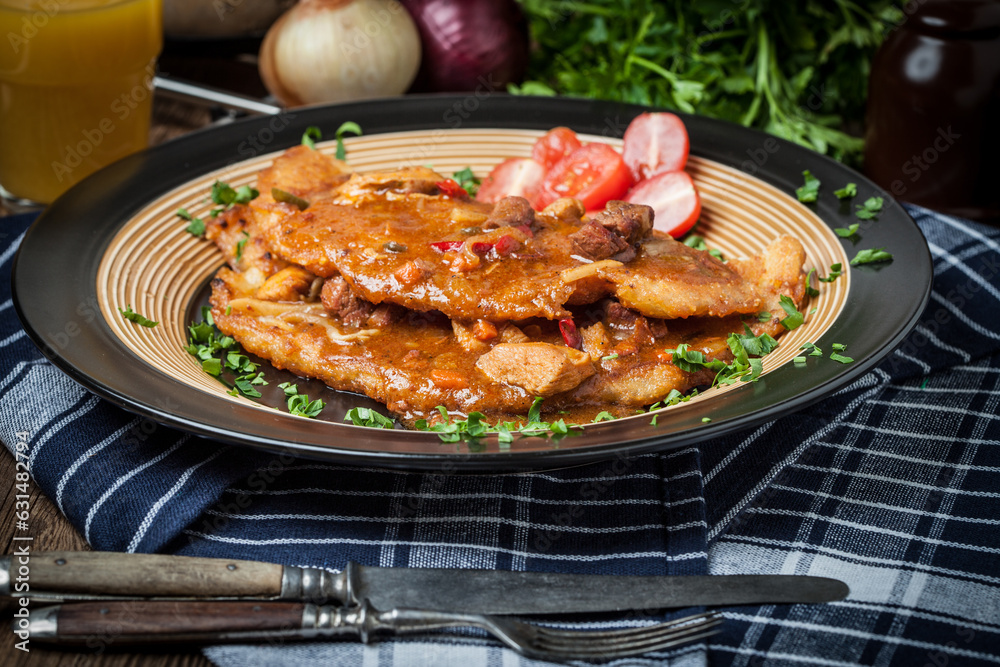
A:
[(339, 50)]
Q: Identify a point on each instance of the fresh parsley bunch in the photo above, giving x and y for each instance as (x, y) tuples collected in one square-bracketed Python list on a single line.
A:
[(795, 68)]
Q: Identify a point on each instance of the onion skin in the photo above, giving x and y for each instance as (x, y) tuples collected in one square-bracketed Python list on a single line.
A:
[(470, 44), (324, 51)]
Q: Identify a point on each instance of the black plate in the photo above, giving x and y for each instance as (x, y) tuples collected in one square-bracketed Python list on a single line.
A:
[(55, 272)]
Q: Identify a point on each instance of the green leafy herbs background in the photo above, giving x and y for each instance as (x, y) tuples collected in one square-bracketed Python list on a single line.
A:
[(795, 69)]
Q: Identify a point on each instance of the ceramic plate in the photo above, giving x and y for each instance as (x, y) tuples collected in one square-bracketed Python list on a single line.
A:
[(114, 240)]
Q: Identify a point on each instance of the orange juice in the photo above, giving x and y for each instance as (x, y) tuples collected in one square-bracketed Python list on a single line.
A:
[(75, 89)]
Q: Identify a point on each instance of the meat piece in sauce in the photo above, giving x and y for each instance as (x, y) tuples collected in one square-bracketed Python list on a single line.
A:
[(542, 369)]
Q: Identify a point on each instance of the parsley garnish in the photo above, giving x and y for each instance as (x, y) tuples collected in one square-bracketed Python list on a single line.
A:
[(133, 316), (764, 316), (240, 245), (467, 180), (795, 318), (223, 194), (698, 243), (846, 192), (368, 417), (870, 209), (311, 136), (610, 357), (810, 290), (196, 226), (746, 364), (472, 427), (836, 270), (344, 128), (847, 232), (871, 256), (603, 417), (810, 191)]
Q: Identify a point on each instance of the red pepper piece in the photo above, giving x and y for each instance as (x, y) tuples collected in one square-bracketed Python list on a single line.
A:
[(481, 247), (569, 333), (450, 188), (527, 231), (505, 245), (445, 246)]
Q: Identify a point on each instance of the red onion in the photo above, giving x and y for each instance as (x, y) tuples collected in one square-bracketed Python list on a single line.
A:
[(469, 44)]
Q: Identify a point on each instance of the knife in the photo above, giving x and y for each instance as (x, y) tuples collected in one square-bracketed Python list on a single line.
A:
[(72, 575)]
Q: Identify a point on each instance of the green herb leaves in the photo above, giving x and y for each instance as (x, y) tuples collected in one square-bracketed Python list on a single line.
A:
[(467, 180), (846, 192), (870, 209), (345, 128), (871, 256), (746, 365), (133, 316), (225, 197), (311, 136), (698, 243), (368, 417), (810, 191), (815, 351), (795, 318)]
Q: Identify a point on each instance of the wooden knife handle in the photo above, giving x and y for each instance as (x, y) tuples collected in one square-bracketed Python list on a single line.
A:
[(148, 575), (140, 621)]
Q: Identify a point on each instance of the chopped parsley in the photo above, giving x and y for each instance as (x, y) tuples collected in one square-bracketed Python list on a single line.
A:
[(795, 318), (746, 364), (240, 245), (348, 127), (467, 180), (610, 357), (473, 426), (299, 404), (836, 356), (810, 290), (846, 192), (836, 270), (808, 192), (603, 417), (871, 256), (847, 232), (311, 136), (133, 316), (698, 243), (196, 226), (814, 349), (764, 316), (368, 417), (705, 420), (870, 209), (225, 195)]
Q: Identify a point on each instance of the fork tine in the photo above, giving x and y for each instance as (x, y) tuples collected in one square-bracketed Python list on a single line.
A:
[(631, 642), (665, 626)]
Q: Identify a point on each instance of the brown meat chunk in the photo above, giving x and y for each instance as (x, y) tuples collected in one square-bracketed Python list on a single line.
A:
[(597, 242), (619, 317), (385, 314), (632, 222), (339, 299), (542, 369), (510, 212)]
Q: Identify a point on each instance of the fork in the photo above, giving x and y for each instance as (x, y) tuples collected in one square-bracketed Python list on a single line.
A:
[(130, 622), (537, 641)]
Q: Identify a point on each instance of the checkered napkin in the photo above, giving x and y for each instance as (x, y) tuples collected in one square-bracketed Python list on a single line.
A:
[(884, 485)]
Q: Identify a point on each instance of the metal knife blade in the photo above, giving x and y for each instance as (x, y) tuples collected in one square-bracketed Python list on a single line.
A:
[(68, 576)]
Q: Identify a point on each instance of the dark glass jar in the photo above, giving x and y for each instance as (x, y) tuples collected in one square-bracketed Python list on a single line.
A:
[(933, 118)]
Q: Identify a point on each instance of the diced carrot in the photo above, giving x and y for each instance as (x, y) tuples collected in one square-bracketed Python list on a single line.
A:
[(448, 379)]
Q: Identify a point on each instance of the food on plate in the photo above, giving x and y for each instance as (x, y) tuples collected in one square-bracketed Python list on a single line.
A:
[(650, 170), (400, 286)]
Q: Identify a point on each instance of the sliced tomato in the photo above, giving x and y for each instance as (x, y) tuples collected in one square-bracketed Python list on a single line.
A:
[(655, 143), (675, 201), (515, 177), (554, 145), (594, 173)]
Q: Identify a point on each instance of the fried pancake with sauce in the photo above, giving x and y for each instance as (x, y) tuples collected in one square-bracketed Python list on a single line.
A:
[(395, 238)]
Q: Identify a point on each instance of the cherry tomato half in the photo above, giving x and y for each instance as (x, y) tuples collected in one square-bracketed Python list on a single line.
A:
[(675, 201), (514, 177), (554, 145), (655, 143), (594, 173)]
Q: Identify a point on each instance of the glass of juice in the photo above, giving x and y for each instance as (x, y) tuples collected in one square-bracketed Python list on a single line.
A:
[(76, 89)]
